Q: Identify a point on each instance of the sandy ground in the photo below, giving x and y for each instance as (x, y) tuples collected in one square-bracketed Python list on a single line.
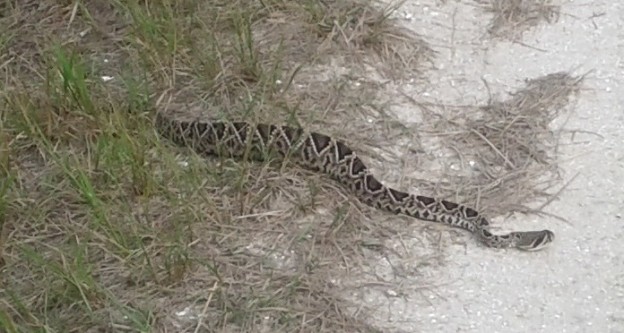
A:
[(577, 285)]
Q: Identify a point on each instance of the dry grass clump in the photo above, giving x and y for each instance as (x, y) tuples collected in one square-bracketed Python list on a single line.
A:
[(513, 17), (347, 32), (507, 146)]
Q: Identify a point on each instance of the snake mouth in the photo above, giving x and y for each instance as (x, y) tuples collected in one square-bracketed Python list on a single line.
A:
[(535, 240)]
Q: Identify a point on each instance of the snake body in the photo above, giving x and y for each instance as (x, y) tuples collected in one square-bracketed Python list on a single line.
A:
[(322, 153)]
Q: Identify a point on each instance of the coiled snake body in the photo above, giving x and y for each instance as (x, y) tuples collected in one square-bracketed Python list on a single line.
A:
[(319, 152)]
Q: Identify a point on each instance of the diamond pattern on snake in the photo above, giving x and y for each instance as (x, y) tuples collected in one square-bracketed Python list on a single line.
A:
[(322, 153)]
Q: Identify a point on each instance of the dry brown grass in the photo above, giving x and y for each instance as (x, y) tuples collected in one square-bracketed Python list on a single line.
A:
[(513, 17), (105, 228), (502, 156)]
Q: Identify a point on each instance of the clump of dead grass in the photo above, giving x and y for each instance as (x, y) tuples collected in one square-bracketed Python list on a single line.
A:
[(513, 17), (344, 31), (510, 147)]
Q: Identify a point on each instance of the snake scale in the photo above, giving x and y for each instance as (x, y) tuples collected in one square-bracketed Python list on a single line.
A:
[(322, 153)]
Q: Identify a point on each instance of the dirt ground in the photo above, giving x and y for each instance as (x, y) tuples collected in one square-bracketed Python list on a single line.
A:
[(512, 107), (578, 284)]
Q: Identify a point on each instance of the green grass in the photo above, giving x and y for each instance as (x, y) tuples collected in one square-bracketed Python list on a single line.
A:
[(106, 227)]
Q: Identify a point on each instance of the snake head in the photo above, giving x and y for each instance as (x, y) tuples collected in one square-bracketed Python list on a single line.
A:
[(533, 240)]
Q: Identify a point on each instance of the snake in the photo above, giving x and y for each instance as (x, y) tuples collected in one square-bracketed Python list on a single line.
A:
[(325, 154)]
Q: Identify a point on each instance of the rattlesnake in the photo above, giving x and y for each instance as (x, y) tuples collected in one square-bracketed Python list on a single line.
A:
[(319, 152)]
